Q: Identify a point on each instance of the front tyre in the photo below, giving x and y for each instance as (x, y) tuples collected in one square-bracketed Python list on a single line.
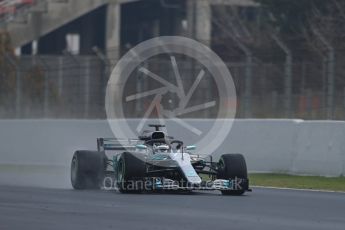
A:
[(230, 167), (130, 171)]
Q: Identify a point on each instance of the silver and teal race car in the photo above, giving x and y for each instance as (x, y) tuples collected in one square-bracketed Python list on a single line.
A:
[(156, 162)]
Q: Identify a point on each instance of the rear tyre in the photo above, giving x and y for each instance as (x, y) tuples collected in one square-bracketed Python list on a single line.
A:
[(87, 169), (232, 166), (130, 171)]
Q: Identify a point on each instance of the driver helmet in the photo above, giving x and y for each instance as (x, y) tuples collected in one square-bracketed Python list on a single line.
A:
[(161, 148)]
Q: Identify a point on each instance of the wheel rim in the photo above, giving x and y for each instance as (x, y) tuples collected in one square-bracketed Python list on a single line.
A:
[(120, 172), (74, 170), (221, 164)]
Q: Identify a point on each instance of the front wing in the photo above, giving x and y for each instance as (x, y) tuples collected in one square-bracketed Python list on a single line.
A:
[(158, 183)]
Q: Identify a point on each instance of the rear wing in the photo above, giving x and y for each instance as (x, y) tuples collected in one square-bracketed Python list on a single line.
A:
[(114, 144)]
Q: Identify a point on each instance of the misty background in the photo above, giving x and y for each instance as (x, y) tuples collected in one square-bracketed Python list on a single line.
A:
[(285, 56)]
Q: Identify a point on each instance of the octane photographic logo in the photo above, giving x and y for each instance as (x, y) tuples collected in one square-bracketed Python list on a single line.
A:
[(171, 80), (153, 184)]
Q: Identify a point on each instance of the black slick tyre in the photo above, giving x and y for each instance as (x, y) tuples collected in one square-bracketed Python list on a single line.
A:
[(87, 169), (232, 166)]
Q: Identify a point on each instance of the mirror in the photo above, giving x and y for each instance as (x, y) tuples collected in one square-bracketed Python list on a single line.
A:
[(141, 147), (191, 147)]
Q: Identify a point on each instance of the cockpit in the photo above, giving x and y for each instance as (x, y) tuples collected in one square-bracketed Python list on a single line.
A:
[(161, 148), (159, 142)]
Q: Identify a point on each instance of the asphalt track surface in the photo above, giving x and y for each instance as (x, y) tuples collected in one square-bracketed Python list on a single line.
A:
[(39, 208)]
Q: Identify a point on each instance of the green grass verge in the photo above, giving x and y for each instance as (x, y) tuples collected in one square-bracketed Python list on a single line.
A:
[(299, 182)]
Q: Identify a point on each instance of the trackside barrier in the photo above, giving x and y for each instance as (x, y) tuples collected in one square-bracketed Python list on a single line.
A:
[(289, 146)]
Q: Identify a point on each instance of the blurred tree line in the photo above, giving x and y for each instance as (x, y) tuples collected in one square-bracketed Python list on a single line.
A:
[(296, 22), (305, 19), (32, 81), (7, 73), (290, 50)]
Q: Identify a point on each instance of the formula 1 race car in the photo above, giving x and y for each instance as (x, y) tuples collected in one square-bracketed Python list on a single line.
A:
[(156, 162)]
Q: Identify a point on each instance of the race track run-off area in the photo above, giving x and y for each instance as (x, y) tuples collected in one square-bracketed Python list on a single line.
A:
[(38, 208)]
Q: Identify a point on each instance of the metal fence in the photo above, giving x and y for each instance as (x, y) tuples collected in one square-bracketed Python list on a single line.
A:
[(74, 87), (52, 87)]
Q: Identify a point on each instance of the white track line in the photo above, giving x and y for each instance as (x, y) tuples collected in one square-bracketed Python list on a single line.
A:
[(298, 189)]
